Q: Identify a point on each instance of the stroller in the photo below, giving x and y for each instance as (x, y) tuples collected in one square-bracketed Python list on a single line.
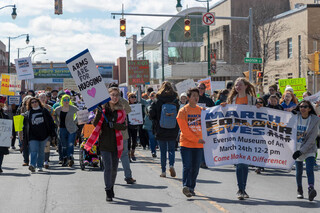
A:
[(92, 157)]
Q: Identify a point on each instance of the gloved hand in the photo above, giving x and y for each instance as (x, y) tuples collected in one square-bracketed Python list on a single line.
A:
[(296, 154)]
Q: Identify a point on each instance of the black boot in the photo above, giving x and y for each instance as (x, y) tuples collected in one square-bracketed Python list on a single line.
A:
[(112, 192), (109, 195), (300, 192)]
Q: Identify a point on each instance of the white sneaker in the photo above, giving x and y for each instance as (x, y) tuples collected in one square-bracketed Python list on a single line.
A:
[(39, 170)]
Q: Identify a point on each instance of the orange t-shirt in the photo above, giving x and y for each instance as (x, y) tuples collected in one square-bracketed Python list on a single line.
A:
[(243, 100), (87, 130), (189, 120)]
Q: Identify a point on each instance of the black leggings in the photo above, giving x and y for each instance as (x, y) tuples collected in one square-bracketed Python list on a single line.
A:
[(132, 141)]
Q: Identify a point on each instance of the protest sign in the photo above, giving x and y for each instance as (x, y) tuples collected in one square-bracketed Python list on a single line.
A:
[(218, 85), (14, 100), (14, 83), (245, 134), (207, 82), (83, 116), (5, 82), (135, 116), (87, 130), (183, 86), (298, 85), (70, 84), (138, 72), (88, 79), (24, 68), (5, 132), (18, 122), (313, 98)]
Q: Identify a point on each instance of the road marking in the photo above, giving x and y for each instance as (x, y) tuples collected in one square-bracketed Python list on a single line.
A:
[(203, 197)]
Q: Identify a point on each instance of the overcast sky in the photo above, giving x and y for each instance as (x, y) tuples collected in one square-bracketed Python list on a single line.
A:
[(83, 24)]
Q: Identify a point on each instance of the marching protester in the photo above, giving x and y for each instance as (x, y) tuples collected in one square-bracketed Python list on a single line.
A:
[(3, 115), (163, 114), (273, 102), (191, 142), (132, 129), (306, 149), (222, 96), (183, 99), (65, 118), (38, 126), (243, 92), (273, 90), (288, 101), (110, 138)]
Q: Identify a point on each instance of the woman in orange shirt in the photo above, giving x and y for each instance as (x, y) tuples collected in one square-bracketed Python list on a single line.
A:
[(191, 142)]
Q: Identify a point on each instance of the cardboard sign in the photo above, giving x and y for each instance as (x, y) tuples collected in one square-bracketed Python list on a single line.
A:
[(83, 116), (24, 68), (5, 132), (87, 130), (135, 116), (138, 72), (14, 100), (298, 85), (88, 79), (245, 134), (5, 82), (207, 82), (183, 86)]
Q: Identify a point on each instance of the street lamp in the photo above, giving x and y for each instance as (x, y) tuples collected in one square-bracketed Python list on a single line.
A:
[(37, 54), (23, 49), (35, 49), (127, 44), (27, 42), (179, 7), (162, 47), (14, 10)]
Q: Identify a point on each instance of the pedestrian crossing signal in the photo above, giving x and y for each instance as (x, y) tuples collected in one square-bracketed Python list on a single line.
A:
[(187, 28), (123, 27)]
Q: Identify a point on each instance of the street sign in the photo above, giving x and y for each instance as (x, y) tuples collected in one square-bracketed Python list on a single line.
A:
[(253, 60), (208, 19)]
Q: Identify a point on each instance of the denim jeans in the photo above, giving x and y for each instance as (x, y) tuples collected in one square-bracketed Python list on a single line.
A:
[(125, 160), (152, 142), (37, 152), (167, 146), (110, 163), (309, 170), (191, 158), (242, 175), (67, 142)]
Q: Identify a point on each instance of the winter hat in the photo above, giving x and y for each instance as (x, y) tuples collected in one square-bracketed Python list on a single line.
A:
[(183, 95), (289, 88), (67, 92)]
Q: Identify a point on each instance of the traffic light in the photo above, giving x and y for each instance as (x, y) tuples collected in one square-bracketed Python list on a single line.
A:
[(58, 7), (187, 28), (259, 77), (123, 27), (313, 64)]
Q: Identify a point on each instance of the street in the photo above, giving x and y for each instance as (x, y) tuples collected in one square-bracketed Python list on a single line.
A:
[(64, 189)]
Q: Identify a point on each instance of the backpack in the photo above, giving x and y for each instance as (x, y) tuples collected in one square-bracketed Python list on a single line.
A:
[(168, 116)]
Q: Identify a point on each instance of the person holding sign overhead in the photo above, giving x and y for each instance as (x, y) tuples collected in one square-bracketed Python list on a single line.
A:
[(243, 92)]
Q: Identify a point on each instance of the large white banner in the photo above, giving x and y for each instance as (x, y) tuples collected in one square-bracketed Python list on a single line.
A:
[(88, 79), (245, 134), (24, 68), (5, 132), (183, 86), (135, 116)]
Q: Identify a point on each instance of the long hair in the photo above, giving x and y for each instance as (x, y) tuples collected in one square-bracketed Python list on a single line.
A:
[(249, 91), (293, 98), (29, 107), (166, 89), (310, 106)]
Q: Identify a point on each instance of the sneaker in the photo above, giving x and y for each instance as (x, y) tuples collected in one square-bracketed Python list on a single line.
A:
[(192, 192), (65, 162), (71, 162), (1, 170), (130, 180), (172, 171), (240, 195), (186, 191), (60, 162), (258, 171), (39, 170), (13, 147), (25, 164), (154, 155), (32, 169), (46, 165), (133, 158), (300, 193), (163, 174), (245, 195), (312, 193)]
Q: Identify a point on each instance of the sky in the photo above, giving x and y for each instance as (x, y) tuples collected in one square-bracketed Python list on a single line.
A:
[(83, 24)]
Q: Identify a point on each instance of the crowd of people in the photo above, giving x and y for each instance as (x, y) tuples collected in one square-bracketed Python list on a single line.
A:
[(170, 121)]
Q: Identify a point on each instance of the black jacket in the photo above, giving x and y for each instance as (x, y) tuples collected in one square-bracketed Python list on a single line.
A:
[(155, 113), (4, 150), (206, 100)]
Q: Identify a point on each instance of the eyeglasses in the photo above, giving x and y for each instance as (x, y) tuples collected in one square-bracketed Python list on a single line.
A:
[(33, 102), (133, 97), (201, 88), (66, 100), (304, 107)]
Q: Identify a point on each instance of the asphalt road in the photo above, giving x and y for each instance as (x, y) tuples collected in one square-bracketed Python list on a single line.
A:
[(64, 189)]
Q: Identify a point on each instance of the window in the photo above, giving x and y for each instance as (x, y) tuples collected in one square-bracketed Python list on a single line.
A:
[(277, 50), (289, 47)]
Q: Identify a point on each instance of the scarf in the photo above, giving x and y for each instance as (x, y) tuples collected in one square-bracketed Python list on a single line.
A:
[(95, 134)]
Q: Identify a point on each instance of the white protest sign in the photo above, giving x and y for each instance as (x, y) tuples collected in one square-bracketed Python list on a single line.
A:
[(245, 134), (88, 79), (83, 116), (14, 83), (135, 116), (5, 132), (70, 84), (218, 85), (24, 68), (183, 86), (313, 98), (14, 100)]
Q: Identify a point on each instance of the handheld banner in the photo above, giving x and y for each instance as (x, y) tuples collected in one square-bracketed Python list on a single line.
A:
[(245, 134), (5, 83), (135, 116), (24, 68), (183, 86), (83, 116), (18, 122), (14, 100), (88, 79), (14, 83), (5, 132)]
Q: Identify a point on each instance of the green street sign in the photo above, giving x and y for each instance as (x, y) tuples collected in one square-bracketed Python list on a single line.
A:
[(253, 60)]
